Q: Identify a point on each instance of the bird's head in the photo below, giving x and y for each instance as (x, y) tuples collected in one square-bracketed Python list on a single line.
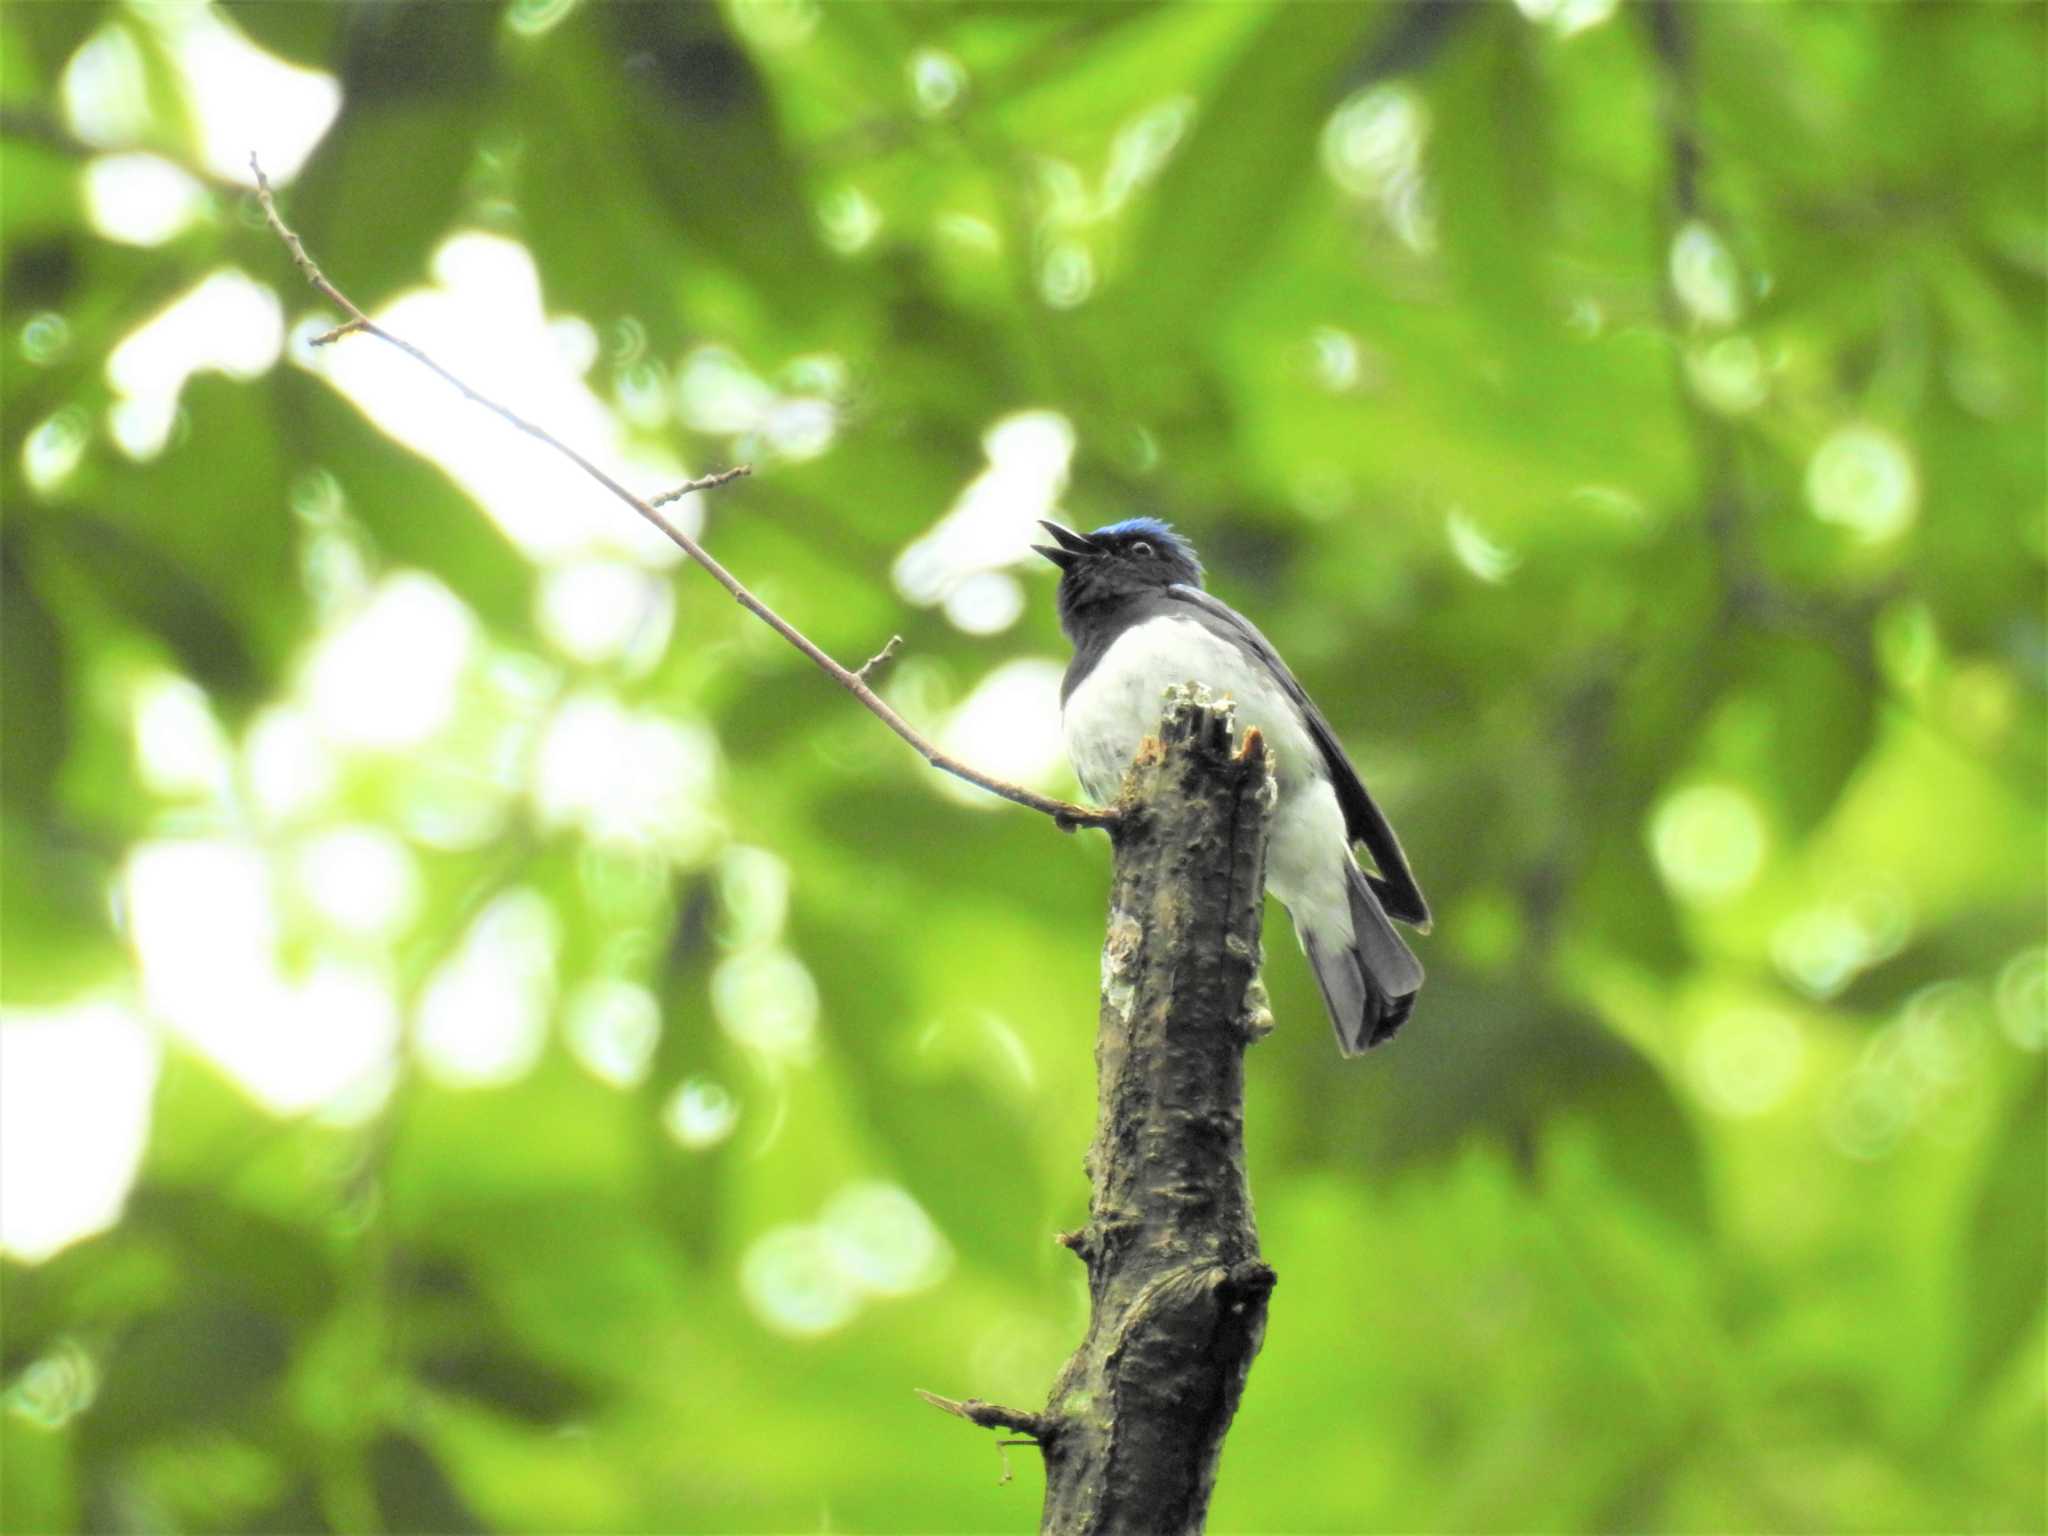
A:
[(1123, 560)]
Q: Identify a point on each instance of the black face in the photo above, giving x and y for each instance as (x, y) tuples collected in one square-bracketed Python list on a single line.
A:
[(1121, 561)]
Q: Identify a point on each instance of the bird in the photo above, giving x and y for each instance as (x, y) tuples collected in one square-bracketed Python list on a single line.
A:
[(1133, 603)]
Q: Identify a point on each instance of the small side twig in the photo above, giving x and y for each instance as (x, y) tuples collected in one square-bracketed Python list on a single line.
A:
[(879, 658), (328, 338), (1063, 813), (1035, 1427), (703, 483)]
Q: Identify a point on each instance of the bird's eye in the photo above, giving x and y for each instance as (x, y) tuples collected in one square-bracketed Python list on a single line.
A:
[(1142, 548)]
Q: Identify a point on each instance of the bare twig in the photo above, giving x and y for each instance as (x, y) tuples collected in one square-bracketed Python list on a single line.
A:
[(703, 483), (1035, 1427), (346, 328), (879, 657), (1064, 814)]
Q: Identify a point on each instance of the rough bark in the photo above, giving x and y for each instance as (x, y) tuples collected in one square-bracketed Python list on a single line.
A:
[(1135, 1424)]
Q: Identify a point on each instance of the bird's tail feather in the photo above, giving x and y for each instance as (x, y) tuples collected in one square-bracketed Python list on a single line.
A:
[(1369, 985)]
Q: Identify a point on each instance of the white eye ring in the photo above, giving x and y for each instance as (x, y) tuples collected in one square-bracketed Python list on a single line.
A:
[(1143, 548)]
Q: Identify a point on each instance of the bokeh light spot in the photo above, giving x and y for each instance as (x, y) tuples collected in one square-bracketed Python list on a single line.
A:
[(202, 918), (993, 521), (849, 220), (790, 1277), (986, 603), (1704, 275), (289, 767), (1568, 18), (532, 18), (767, 1001), (2023, 999), (1729, 375), (45, 338), (1485, 557), (75, 1092), (776, 24), (938, 81), (1862, 479), (630, 778), (700, 1114), (883, 1241), (1008, 726), (613, 1027), (363, 881), (1709, 841), (53, 447), (56, 1387), (180, 749), (1067, 276), (140, 199), (483, 1016), (753, 893), (1746, 1061), (597, 611), (388, 677), (1374, 140)]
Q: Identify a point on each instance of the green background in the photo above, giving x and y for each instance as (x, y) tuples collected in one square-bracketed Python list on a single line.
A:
[(1632, 435)]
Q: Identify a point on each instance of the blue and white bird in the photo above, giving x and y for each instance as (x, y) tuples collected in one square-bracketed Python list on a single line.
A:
[(1132, 603)]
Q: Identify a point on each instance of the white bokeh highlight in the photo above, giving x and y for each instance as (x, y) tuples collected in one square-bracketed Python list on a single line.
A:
[(75, 1091)]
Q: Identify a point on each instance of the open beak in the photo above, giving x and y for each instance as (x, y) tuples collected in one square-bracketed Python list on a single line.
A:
[(1072, 545)]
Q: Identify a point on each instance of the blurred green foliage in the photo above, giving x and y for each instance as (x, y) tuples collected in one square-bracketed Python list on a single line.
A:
[(1630, 427)]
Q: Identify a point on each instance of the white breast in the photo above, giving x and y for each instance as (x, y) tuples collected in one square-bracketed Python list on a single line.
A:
[(1119, 704)]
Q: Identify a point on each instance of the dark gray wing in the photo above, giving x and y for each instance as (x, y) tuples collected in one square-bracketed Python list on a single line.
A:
[(1395, 884)]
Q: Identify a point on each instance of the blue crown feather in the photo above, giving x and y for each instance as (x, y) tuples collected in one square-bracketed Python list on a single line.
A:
[(1151, 527), (1159, 532)]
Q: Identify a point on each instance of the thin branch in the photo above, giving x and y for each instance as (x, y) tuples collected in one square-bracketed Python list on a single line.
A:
[(1063, 814)]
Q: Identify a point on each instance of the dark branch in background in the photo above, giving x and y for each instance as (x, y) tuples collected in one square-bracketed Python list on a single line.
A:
[(1063, 814), (1410, 41), (1177, 1291), (1750, 592), (1671, 39)]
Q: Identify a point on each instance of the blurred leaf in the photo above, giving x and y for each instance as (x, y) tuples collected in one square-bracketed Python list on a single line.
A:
[(1619, 896), (415, 515), (209, 1362), (493, 1373), (38, 700), (254, 1257), (1818, 718), (918, 1108), (54, 924), (1227, 192), (303, 33), (2005, 1253), (52, 33), (1506, 1071), (466, 1151), (1489, 159), (160, 595), (37, 1469), (215, 507), (413, 1494), (298, 1511), (385, 184)]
